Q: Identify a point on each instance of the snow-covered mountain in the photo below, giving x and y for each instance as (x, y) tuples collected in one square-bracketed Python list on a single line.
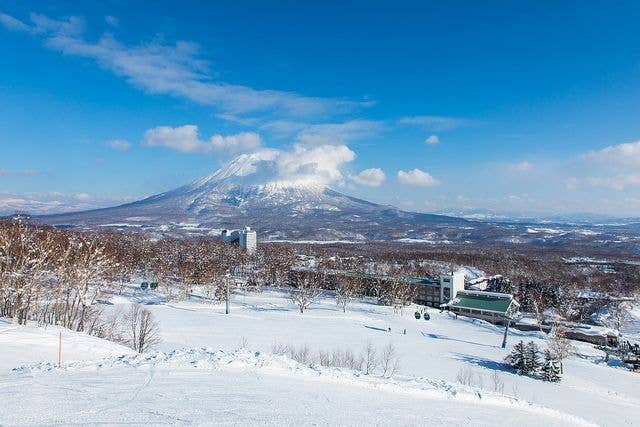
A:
[(258, 191), (250, 190)]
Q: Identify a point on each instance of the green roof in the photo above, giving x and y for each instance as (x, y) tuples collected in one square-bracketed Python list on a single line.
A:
[(486, 301)]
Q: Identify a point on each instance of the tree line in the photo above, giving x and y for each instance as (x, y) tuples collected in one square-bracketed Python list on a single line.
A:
[(56, 276)]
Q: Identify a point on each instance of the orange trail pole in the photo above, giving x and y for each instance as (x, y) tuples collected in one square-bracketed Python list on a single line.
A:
[(60, 350)]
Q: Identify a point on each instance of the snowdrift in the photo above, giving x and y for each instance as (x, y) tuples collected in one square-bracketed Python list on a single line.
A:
[(207, 359)]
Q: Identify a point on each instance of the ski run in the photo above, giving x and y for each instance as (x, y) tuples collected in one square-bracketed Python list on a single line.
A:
[(212, 368)]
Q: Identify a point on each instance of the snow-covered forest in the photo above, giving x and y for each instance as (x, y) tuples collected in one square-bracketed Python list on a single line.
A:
[(344, 312), (56, 277)]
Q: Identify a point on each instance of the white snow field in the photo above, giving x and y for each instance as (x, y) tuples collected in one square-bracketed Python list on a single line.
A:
[(31, 344), (240, 388), (202, 374)]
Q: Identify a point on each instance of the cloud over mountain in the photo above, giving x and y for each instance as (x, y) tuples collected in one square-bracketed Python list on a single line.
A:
[(372, 177), (417, 177), (186, 139)]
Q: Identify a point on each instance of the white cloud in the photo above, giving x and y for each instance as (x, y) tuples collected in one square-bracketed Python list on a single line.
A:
[(55, 202), (83, 196), (13, 24), (319, 164), (244, 141), (436, 123), (432, 139), (616, 182), (338, 132), (175, 69), (186, 140), (520, 166), (417, 177), (119, 144), (183, 138), (372, 177), (305, 163), (296, 165), (614, 167), (627, 154), (323, 133)]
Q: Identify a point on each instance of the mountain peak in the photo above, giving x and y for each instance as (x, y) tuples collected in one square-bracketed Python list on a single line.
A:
[(256, 172), (281, 197), (245, 165)]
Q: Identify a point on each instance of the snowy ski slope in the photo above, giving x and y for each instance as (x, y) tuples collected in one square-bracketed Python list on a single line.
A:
[(201, 375)]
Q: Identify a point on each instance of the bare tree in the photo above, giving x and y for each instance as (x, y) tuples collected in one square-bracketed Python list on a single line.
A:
[(497, 382), (110, 326), (225, 290), (465, 376), (376, 282), (537, 300), (398, 294), (306, 292), (90, 265), (346, 290), (277, 261), (389, 361), (26, 255), (618, 315), (559, 345), (369, 359), (144, 331)]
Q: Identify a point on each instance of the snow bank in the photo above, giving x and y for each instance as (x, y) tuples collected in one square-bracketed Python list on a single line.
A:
[(32, 343), (243, 360)]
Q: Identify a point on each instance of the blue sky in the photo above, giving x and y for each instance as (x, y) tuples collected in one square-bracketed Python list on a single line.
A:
[(512, 106)]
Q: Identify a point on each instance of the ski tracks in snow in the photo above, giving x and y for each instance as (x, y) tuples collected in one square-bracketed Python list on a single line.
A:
[(195, 363)]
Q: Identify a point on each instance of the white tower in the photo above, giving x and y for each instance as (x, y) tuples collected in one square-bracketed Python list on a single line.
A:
[(249, 240), (450, 284)]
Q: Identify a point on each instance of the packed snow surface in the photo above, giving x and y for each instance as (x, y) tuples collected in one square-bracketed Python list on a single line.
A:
[(213, 368), (31, 344), (241, 387)]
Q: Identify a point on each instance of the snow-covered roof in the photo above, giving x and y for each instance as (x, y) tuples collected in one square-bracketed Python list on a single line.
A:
[(592, 330)]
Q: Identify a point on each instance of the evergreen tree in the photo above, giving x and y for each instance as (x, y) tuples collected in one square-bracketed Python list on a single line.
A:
[(517, 358), (550, 368), (532, 358), (525, 358), (500, 284)]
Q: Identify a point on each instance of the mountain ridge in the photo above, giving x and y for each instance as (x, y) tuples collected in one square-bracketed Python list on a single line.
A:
[(250, 190), (255, 190)]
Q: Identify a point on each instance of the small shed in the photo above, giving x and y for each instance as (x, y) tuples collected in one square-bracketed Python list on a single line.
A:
[(490, 306)]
